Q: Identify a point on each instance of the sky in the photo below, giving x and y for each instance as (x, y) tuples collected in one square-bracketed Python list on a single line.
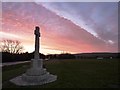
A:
[(72, 27)]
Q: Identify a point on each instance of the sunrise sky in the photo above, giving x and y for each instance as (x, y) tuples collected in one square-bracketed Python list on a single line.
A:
[(72, 27)]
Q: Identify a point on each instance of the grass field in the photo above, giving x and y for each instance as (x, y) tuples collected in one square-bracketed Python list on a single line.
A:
[(71, 74)]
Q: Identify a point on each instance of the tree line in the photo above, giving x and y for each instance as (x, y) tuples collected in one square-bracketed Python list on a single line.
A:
[(11, 51), (13, 57)]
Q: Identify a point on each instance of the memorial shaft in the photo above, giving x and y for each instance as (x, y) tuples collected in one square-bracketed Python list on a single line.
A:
[(36, 55)]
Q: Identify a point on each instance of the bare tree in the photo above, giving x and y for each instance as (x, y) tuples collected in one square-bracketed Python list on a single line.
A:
[(11, 46)]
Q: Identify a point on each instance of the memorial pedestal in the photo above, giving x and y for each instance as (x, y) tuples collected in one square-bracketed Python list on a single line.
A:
[(34, 76)]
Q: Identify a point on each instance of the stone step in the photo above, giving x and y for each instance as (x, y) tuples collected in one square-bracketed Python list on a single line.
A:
[(36, 71)]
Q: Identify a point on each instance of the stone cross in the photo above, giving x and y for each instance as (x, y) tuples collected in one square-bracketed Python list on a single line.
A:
[(35, 75), (36, 53)]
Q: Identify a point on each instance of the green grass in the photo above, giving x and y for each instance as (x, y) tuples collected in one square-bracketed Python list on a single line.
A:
[(71, 74)]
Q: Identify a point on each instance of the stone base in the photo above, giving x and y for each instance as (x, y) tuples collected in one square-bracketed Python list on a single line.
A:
[(19, 81), (34, 76)]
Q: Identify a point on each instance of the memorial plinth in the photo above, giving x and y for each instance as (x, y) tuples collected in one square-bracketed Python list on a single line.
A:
[(36, 75)]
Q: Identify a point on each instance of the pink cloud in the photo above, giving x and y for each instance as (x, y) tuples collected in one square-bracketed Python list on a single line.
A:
[(56, 32)]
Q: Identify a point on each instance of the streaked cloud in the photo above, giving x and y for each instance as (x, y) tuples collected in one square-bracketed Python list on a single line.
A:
[(6, 35), (68, 28)]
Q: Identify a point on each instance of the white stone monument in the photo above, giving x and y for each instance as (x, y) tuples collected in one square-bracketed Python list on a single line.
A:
[(36, 75)]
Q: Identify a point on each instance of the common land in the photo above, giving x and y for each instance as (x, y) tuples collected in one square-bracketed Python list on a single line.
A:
[(72, 73)]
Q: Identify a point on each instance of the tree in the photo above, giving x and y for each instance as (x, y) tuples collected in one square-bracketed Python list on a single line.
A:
[(11, 46)]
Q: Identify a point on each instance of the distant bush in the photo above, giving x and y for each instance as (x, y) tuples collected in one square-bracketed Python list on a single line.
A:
[(65, 56), (60, 56)]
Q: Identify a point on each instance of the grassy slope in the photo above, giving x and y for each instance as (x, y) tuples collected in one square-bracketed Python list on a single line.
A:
[(71, 73)]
